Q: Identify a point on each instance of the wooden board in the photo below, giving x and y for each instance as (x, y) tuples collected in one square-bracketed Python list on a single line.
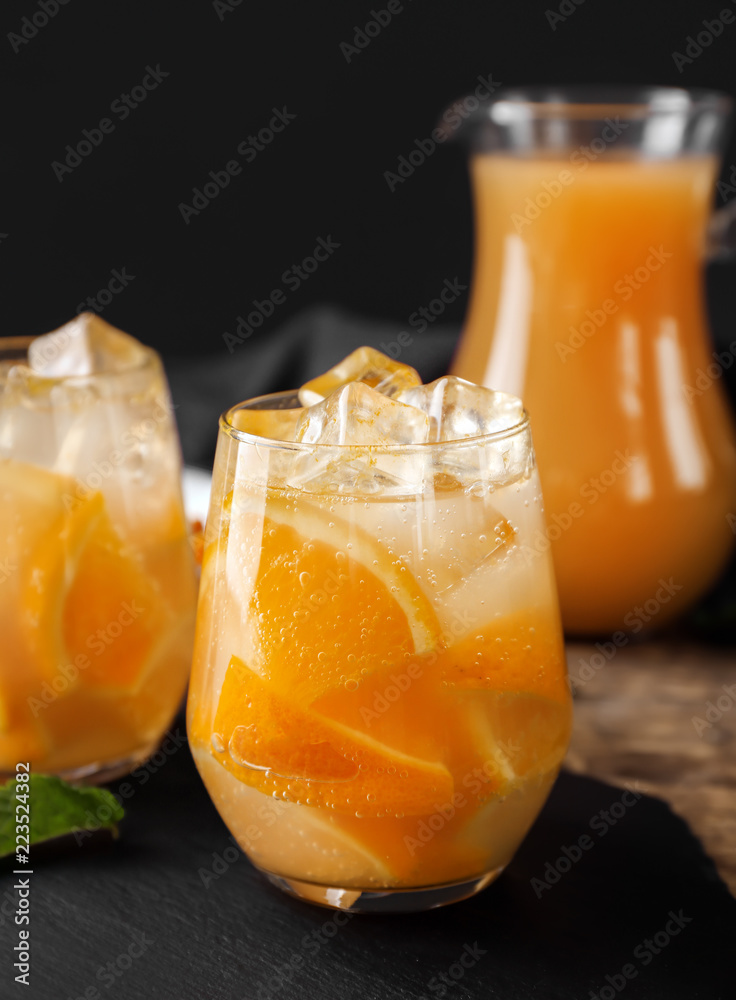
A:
[(650, 713)]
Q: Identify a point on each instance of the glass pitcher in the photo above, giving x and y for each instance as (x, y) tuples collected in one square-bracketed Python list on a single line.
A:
[(592, 225)]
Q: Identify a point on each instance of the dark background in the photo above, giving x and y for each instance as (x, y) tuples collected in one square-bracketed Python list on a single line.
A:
[(322, 176)]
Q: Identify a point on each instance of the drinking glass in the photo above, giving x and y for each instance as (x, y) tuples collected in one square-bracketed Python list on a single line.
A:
[(379, 703), (593, 224), (97, 575)]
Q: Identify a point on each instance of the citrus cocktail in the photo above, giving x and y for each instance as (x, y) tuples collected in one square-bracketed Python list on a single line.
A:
[(379, 702), (99, 585)]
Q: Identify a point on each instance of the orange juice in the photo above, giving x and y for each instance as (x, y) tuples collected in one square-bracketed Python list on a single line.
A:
[(379, 700), (98, 582), (587, 302)]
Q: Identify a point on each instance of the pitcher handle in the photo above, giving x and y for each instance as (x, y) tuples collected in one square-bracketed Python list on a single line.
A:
[(721, 233)]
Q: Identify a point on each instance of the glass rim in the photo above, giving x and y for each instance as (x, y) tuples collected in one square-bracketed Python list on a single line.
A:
[(577, 101), (246, 437), (12, 344)]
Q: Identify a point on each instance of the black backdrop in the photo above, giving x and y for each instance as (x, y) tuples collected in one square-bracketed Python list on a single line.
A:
[(115, 205)]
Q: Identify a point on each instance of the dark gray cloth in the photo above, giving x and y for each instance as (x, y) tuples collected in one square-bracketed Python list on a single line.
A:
[(306, 345), (310, 343)]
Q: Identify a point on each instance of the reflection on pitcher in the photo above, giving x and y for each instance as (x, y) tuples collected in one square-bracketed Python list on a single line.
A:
[(592, 228)]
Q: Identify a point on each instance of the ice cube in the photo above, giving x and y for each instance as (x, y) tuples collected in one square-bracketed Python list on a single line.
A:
[(381, 475), (84, 346), (279, 425), (494, 582), (458, 533), (355, 428), (356, 414), (61, 411), (458, 409), (366, 365)]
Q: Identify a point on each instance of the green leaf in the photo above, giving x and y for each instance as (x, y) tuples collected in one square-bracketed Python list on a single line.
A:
[(56, 808)]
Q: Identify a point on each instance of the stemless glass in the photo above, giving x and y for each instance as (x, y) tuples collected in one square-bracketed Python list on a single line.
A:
[(97, 573), (379, 702)]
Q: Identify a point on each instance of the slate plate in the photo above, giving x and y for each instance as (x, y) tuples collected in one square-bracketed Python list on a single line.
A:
[(639, 911)]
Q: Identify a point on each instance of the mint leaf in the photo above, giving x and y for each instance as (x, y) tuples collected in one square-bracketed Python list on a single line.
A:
[(56, 808)]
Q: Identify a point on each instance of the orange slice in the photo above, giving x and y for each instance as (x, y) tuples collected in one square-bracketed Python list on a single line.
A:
[(495, 827), (512, 702), (516, 653), (513, 737), (86, 601), (330, 604), (311, 845), (268, 742)]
